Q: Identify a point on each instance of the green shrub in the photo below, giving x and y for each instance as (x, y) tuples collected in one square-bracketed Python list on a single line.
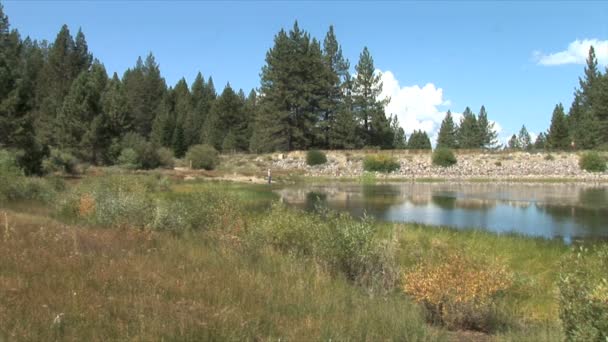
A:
[(583, 298), (165, 157), (203, 157), (592, 162), (380, 163), (60, 161), (315, 157), (443, 157), (549, 157), (128, 159), (11, 176), (109, 201), (147, 156), (15, 186), (134, 201), (336, 241)]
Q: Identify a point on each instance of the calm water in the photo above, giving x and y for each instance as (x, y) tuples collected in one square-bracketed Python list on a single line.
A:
[(567, 211)]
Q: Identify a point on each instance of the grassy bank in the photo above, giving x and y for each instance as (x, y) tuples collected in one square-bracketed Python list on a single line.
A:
[(67, 283), (145, 258)]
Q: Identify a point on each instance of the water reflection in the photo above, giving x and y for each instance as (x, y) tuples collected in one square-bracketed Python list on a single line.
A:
[(549, 210)]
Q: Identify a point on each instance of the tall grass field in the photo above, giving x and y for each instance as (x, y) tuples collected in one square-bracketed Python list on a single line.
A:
[(136, 257)]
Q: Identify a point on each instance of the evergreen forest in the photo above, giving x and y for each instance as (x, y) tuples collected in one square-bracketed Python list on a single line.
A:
[(57, 100)]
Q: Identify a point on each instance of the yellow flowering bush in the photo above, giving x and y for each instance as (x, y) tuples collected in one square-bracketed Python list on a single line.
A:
[(459, 292)]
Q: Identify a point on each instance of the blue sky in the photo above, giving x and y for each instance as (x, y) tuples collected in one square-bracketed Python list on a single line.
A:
[(517, 58)]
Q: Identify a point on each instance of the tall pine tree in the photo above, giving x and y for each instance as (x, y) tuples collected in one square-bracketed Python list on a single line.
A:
[(448, 133), (145, 89), (468, 132), (488, 136), (368, 108), (558, 137)]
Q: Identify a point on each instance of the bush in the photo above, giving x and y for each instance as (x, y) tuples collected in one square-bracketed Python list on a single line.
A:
[(109, 201), (549, 157), (60, 161), (443, 157), (15, 186), (146, 153), (11, 176), (380, 163), (337, 242), (461, 293), (132, 201), (203, 157), (315, 157), (592, 162), (148, 156), (583, 297), (165, 157), (128, 159)]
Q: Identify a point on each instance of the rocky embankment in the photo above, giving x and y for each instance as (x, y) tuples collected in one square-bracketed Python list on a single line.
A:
[(500, 166)]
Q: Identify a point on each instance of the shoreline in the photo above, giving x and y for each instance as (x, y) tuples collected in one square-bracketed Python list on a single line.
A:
[(415, 166)]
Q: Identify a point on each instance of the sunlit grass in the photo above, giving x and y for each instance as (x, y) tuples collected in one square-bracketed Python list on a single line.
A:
[(66, 283), (210, 281)]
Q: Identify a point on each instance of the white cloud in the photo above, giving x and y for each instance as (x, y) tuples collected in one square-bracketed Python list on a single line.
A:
[(576, 53), (416, 107)]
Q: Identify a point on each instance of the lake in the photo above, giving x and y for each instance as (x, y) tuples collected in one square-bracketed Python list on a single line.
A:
[(567, 211)]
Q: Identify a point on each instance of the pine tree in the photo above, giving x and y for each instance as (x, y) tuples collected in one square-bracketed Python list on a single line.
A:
[(369, 110), (145, 89), (488, 136), (60, 69), (601, 111), (80, 108), (513, 143), (111, 124), (249, 109), (18, 73), (179, 142), (12, 101), (524, 141), (81, 58), (588, 132), (588, 86), (164, 123), (292, 84), (468, 132), (232, 124), (343, 134), (182, 110), (334, 99), (419, 140), (558, 136), (399, 139), (116, 108), (448, 133), (197, 116), (541, 141)]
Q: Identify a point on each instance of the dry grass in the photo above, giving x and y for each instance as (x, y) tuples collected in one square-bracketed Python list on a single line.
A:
[(61, 282)]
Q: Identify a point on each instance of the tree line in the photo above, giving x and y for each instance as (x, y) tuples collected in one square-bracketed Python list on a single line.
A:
[(473, 131), (55, 97), (585, 126)]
